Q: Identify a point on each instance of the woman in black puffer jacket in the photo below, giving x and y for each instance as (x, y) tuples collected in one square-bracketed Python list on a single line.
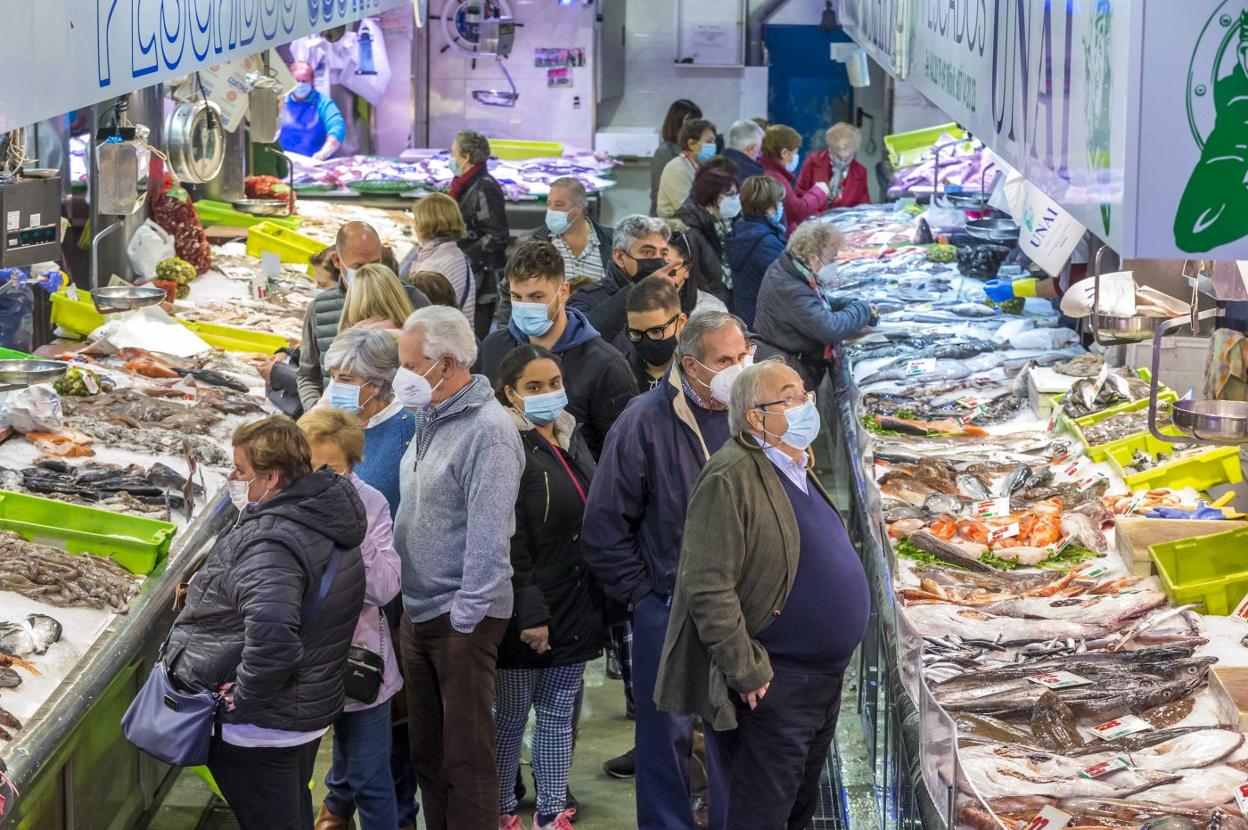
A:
[(709, 213), (557, 625), (265, 624)]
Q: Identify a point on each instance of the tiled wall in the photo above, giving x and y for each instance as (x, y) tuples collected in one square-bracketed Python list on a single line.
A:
[(541, 113)]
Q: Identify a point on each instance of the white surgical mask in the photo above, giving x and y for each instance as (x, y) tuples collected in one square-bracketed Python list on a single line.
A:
[(348, 274), (238, 493), (826, 276), (730, 206), (412, 389), (721, 383)]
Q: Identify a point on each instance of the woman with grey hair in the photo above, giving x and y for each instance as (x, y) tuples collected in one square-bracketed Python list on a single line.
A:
[(796, 313), (362, 363), (484, 207), (771, 601)]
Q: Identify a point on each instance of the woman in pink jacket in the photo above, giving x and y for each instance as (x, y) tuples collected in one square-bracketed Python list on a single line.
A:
[(360, 777), (781, 152)]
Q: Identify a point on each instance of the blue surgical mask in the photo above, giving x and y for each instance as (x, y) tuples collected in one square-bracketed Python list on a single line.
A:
[(545, 408), (302, 90), (348, 274), (792, 165), (730, 207), (779, 220), (533, 319), (344, 396), (705, 152), (557, 221), (456, 167), (803, 426)]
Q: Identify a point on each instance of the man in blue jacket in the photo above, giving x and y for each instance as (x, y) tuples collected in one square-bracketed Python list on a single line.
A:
[(312, 124), (597, 378), (634, 521)]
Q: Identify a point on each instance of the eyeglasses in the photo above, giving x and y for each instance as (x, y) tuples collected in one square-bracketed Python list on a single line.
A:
[(656, 333), (793, 400)]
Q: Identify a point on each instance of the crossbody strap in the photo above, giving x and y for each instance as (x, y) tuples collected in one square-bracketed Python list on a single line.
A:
[(327, 581)]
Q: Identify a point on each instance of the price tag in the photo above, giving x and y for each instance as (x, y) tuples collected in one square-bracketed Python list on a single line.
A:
[(930, 330), (1076, 468), (71, 291), (89, 381), (1059, 680), (1089, 481), (919, 307), (1241, 797), (258, 288), (1137, 499), (880, 238), (1241, 610), (920, 366), (992, 508), (1091, 570), (1119, 727), (1006, 532), (1049, 818), (968, 402), (1118, 762), (1053, 418)]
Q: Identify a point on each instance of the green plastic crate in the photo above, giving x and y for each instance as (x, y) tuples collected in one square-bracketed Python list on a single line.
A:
[(907, 149), (1216, 465), (135, 543), (1209, 570), (235, 339), (1099, 452), (212, 212)]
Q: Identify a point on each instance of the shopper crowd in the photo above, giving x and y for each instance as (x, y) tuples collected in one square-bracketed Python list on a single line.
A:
[(510, 457)]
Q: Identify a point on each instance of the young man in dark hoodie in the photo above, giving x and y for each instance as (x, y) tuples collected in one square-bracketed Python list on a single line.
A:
[(597, 378)]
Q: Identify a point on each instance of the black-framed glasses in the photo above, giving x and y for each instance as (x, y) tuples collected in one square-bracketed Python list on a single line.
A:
[(796, 399), (656, 333)]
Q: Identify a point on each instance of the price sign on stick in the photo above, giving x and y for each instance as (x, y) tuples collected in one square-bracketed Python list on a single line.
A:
[(1049, 818), (1120, 727)]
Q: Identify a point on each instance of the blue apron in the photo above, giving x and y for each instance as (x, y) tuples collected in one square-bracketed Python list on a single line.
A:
[(303, 131)]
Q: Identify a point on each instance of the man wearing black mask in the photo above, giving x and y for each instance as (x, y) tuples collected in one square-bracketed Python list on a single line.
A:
[(639, 248), (654, 324)]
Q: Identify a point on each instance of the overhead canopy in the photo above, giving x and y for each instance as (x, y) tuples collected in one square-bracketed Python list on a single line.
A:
[(60, 55), (1132, 116)]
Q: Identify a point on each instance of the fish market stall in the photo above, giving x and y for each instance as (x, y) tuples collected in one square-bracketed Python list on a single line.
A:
[(1021, 663)]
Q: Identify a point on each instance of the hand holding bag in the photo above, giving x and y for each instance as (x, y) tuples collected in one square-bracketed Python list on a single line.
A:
[(175, 726)]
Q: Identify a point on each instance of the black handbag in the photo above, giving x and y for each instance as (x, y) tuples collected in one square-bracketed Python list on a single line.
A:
[(366, 669)]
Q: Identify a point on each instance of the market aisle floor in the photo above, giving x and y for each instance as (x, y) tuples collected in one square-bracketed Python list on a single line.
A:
[(606, 804)]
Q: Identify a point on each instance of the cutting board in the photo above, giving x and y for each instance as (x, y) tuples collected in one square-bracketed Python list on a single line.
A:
[(1132, 536), (1230, 685)]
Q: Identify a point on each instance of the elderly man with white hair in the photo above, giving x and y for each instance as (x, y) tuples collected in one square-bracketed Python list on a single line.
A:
[(770, 602), (743, 147), (459, 481)]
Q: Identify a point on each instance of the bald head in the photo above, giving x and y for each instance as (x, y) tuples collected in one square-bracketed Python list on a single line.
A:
[(357, 245)]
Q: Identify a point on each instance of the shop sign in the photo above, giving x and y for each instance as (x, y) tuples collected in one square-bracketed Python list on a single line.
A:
[(882, 28), (1048, 233), (85, 51)]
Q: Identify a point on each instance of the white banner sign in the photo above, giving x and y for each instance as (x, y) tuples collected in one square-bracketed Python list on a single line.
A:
[(1048, 233), (60, 55), (882, 28), (1046, 85)]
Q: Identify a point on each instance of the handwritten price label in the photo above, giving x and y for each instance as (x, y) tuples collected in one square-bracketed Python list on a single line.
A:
[(1049, 818), (1120, 727), (992, 508), (968, 402), (1090, 570), (1118, 762), (1053, 419), (1136, 501), (920, 366), (1007, 532), (1241, 610), (1241, 797), (1059, 680)]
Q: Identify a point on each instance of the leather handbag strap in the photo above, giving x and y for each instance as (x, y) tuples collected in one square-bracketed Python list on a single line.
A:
[(327, 581)]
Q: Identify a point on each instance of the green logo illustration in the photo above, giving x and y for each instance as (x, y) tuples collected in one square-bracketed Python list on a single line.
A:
[(1098, 69), (1215, 201)]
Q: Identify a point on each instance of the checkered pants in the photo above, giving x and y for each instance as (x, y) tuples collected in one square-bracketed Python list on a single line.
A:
[(621, 639), (552, 693)]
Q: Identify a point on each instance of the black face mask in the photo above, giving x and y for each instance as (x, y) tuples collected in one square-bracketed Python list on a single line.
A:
[(657, 352), (647, 266)]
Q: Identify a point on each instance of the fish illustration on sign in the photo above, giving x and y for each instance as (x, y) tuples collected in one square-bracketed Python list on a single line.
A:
[(1211, 210)]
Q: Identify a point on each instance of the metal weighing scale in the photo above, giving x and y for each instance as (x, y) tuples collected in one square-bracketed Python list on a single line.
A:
[(19, 374), (1203, 421)]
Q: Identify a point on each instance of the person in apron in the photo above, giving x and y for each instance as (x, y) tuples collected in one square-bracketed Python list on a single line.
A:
[(312, 124)]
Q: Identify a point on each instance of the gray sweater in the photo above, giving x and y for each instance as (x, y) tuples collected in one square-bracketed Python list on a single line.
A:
[(458, 480)]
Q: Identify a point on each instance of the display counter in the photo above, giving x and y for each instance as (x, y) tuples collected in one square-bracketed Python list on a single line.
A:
[(899, 414)]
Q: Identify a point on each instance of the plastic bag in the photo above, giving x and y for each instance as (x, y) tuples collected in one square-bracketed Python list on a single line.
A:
[(16, 324), (150, 244), (33, 409)]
